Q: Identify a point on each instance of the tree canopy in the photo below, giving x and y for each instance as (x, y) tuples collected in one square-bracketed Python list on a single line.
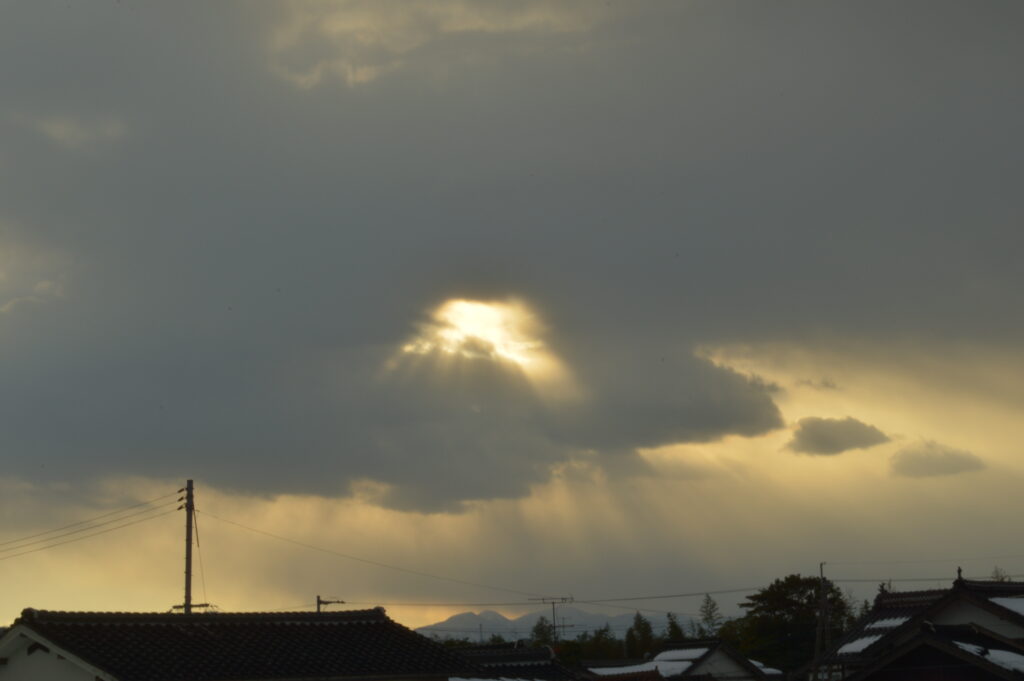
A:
[(781, 619), (543, 632)]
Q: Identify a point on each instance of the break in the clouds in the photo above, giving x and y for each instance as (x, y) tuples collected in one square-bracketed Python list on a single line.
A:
[(814, 435), (927, 459)]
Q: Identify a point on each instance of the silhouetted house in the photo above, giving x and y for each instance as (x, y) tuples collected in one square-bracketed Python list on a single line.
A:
[(710, 659), (897, 619), (952, 653), (361, 644), (519, 661)]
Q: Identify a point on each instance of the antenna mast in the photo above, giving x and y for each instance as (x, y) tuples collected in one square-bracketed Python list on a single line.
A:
[(323, 601)]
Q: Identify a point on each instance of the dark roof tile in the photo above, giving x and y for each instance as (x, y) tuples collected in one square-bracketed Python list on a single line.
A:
[(226, 646)]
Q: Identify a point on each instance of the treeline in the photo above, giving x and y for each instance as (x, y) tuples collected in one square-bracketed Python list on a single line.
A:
[(640, 640), (778, 627)]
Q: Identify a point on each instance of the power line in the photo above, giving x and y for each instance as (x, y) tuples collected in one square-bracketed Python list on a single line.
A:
[(367, 561), (88, 520), (925, 560), (294, 608), (878, 580), (608, 602), (23, 544), (611, 602), (88, 536), (694, 594), (506, 604), (199, 550), (511, 630), (638, 608)]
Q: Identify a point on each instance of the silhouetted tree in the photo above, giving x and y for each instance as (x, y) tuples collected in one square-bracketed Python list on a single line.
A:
[(639, 637), (543, 632), (779, 626), (454, 642), (674, 632), (710, 617), (601, 644)]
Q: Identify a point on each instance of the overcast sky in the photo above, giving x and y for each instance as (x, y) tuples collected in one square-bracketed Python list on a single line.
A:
[(602, 298)]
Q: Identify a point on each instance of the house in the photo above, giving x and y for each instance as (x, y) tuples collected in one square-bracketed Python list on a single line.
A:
[(950, 653), (86, 646), (516, 660), (897, 620), (710, 659)]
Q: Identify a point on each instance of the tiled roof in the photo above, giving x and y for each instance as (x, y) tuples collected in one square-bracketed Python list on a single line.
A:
[(991, 588), (907, 601), (513, 660), (900, 610), (489, 654), (549, 671), (992, 655), (226, 646), (647, 675), (677, 659)]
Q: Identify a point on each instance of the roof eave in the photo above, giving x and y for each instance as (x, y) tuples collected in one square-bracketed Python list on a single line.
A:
[(22, 630)]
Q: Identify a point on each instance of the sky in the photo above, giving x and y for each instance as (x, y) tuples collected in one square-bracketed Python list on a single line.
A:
[(494, 301)]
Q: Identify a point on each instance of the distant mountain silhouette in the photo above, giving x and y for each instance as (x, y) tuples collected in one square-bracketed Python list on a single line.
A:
[(487, 623)]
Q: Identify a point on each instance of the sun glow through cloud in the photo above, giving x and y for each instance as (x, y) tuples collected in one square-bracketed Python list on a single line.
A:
[(503, 331), (500, 330)]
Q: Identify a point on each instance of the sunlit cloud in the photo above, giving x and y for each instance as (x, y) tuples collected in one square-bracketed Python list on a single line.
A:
[(358, 41), (928, 459), (27, 274), (75, 133), (942, 392)]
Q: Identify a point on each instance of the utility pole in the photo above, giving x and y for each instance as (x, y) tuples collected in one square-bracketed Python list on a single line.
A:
[(554, 618), (821, 633), (324, 601), (190, 518), (564, 625), (190, 509)]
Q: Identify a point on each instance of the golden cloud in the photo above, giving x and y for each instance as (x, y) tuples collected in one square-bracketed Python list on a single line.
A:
[(357, 41)]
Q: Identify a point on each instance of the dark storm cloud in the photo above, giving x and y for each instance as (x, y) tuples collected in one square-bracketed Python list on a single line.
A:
[(647, 395), (232, 256), (929, 459), (815, 435)]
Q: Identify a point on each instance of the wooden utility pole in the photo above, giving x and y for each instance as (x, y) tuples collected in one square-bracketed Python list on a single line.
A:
[(554, 616), (821, 634), (190, 509)]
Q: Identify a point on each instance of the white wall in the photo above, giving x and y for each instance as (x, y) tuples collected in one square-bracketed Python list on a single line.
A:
[(40, 666), (722, 666)]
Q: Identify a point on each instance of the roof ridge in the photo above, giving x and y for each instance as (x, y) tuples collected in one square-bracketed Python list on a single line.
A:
[(36, 615), (205, 646)]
